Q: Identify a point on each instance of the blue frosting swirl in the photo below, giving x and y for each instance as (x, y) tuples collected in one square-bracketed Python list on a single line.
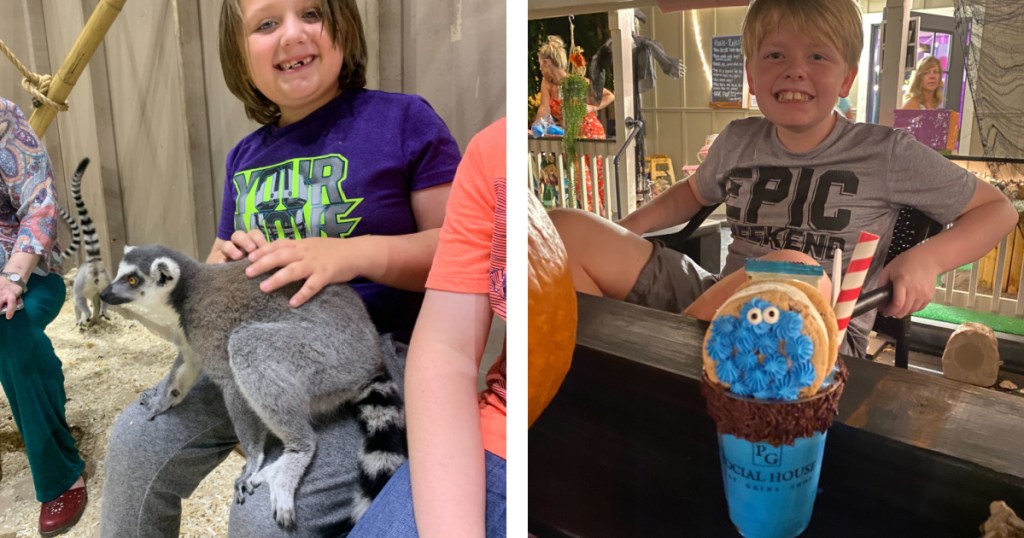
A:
[(739, 388), (757, 379), (775, 366), (804, 374), (789, 326), (768, 344), (727, 371), (724, 325), (746, 361), (745, 339), (788, 392), (800, 349), (719, 346)]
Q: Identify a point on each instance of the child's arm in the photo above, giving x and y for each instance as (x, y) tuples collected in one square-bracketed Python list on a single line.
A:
[(675, 206), (399, 261), (445, 444), (988, 217)]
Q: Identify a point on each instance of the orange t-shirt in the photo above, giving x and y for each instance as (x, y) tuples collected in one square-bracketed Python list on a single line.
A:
[(470, 255)]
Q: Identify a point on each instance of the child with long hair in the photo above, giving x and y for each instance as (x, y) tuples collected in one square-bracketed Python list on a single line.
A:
[(340, 184)]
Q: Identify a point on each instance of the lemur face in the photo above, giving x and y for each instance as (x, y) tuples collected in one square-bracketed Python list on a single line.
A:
[(145, 279)]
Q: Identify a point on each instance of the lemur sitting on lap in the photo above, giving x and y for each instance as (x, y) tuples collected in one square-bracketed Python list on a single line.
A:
[(278, 367)]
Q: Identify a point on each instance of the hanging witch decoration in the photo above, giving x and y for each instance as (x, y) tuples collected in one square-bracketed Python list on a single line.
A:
[(646, 53)]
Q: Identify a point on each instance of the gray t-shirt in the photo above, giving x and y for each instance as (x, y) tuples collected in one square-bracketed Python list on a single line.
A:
[(855, 180)]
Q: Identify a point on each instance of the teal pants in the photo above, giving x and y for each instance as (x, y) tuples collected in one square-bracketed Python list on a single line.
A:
[(34, 384)]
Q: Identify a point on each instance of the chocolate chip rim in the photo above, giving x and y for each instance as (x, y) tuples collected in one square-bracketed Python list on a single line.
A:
[(773, 422)]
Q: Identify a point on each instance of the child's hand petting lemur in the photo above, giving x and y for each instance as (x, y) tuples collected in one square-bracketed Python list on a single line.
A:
[(242, 243), (317, 260)]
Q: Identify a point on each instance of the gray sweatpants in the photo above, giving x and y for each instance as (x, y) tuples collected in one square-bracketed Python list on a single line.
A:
[(152, 465)]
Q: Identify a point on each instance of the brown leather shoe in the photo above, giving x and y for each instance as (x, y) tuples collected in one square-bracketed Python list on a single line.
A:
[(59, 515)]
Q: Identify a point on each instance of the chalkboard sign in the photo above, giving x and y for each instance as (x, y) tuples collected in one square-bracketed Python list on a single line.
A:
[(727, 76)]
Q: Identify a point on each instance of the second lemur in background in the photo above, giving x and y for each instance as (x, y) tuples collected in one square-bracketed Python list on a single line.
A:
[(92, 275)]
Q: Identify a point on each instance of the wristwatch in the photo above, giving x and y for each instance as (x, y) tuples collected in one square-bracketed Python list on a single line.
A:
[(16, 279)]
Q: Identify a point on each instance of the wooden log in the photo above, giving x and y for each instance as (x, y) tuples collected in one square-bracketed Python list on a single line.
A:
[(972, 355), (92, 34)]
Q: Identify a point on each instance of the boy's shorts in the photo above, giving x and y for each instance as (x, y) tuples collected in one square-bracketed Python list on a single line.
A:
[(670, 281)]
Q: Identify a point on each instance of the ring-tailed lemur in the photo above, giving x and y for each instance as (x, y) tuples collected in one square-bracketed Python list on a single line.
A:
[(76, 234), (278, 367), (92, 275)]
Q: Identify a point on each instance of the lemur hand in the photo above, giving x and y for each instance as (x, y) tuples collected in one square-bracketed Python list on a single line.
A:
[(317, 260), (159, 399), (913, 283), (242, 243)]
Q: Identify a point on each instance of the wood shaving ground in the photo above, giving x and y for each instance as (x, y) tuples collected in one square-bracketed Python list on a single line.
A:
[(105, 368)]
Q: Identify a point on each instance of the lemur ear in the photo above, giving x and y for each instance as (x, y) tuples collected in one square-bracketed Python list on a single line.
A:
[(128, 248), (165, 270)]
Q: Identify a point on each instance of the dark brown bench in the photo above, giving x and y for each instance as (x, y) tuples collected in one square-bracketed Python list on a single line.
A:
[(627, 449)]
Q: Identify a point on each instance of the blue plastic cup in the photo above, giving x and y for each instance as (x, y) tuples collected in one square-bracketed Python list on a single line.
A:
[(770, 490)]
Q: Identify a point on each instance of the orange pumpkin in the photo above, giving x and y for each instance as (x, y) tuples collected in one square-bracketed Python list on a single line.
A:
[(552, 311)]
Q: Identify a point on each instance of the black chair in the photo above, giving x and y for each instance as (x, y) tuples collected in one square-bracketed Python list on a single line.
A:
[(911, 228), (705, 248)]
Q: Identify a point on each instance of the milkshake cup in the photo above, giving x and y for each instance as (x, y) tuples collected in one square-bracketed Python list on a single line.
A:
[(771, 453)]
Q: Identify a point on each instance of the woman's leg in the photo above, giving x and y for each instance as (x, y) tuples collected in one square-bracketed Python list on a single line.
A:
[(32, 378), (152, 464)]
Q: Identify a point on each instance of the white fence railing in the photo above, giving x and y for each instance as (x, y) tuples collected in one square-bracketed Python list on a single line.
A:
[(987, 286), (596, 175)]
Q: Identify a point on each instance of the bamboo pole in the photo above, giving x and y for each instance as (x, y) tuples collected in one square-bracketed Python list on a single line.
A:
[(90, 37)]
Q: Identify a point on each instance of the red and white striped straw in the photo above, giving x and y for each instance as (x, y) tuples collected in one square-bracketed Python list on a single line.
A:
[(849, 292)]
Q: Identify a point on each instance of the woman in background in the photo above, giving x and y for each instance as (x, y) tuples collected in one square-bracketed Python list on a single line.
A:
[(554, 65), (31, 294), (926, 88)]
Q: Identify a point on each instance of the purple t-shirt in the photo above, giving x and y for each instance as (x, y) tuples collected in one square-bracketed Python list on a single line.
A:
[(347, 169)]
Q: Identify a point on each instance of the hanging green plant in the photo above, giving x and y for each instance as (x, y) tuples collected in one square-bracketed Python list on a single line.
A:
[(574, 102)]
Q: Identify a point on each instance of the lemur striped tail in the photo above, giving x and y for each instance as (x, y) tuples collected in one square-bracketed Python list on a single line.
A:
[(92, 240), (381, 417), (76, 195)]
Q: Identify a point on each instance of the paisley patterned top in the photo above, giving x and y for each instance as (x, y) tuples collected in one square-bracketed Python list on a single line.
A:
[(28, 197)]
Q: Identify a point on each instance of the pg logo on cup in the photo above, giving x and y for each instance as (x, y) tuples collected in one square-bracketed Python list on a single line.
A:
[(766, 455)]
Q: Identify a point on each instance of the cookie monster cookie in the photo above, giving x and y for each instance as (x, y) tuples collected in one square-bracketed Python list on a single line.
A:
[(772, 340)]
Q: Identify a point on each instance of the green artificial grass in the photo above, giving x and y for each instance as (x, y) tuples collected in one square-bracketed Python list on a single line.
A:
[(953, 314)]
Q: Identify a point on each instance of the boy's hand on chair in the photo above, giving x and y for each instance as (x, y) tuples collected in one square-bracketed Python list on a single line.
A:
[(913, 283)]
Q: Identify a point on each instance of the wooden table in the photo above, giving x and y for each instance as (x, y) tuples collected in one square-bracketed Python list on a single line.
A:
[(627, 449)]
